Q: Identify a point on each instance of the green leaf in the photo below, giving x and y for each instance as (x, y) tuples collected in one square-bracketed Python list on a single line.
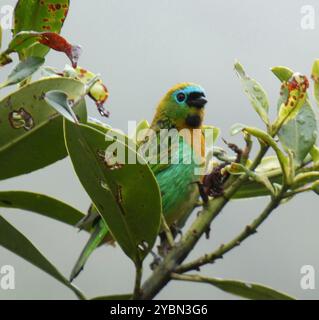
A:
[(300, 133), (315, 187), (293, 97), (315, 78), (126, 195), (237, 128), (251, 189), (39, 15), (41, 204), (14, 241), (23, 70), (268, 164), (238, 169), (99, 232), (142, 125), (314, 152), (4, 59), (255, 93), (248, 290), (282, 73), (97, 90), (60, 101), (31, 132), (126, 296), (211, 135), (268, 140)]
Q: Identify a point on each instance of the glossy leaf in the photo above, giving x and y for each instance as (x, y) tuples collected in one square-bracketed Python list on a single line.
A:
[(98, 91), (314, 152), (255, 93), (293, 97), (31, 131), (14, 241), (23, 70), (248, 290), (39, 15), (268, 164), (315, 78), (60, 101), (41, 204), (282, 73), (300, 133), (126, 195), (127, 296), (26, 40), (237, 128)]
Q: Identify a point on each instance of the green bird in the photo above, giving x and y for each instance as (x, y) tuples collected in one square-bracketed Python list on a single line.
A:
[(181, 108)]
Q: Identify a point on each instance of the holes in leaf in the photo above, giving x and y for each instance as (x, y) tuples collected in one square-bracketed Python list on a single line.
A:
[(21, 119), (143, 246)]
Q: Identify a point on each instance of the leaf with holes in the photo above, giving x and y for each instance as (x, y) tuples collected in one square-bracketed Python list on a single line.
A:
[(126, 195), (31, 131)]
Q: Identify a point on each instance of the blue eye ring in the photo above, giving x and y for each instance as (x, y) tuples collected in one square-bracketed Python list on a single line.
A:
[(180, 97)]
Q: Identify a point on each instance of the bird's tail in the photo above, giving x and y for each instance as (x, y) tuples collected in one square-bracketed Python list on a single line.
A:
[(99, 233)]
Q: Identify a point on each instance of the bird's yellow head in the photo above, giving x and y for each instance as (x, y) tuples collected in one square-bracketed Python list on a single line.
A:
[(182, 107)]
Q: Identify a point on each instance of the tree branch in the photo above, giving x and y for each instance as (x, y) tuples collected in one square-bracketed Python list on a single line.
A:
[(248, 231), (161, 275)]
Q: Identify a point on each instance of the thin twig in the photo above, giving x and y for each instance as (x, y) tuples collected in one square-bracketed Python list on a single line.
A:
[(161, 275), (168, 232), (243, 235)]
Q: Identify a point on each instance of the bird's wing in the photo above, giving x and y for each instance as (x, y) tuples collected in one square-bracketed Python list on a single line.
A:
[(160, 152)]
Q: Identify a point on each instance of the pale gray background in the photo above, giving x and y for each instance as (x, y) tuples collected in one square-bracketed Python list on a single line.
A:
[(141, 48)]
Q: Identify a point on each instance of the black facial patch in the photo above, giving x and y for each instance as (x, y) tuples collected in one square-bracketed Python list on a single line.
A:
[(193, 121)]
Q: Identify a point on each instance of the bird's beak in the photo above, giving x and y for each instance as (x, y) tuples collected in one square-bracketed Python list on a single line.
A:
[(197, 100)]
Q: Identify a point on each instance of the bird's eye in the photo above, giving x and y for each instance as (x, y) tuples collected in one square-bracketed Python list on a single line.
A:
[(181, 97)]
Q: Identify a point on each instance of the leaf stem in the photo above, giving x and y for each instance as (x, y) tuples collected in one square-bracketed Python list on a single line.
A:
[(77, 291), (138, 280)]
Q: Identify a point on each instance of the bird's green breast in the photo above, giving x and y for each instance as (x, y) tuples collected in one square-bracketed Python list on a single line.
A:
[(176, 182)]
